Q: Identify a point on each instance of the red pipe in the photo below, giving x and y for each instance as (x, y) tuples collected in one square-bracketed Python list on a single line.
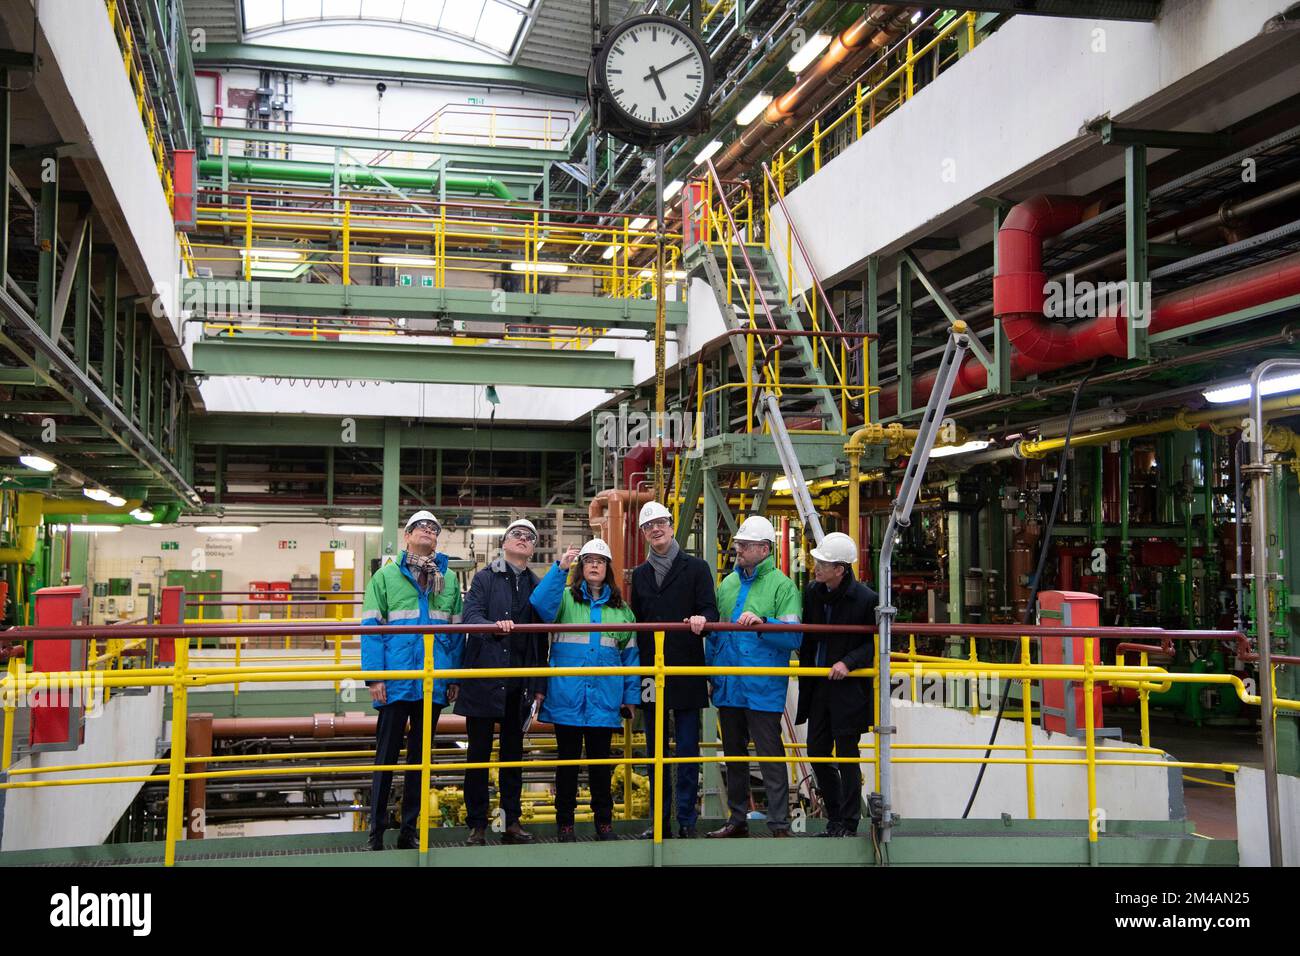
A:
[(1039, 345), (218, 111)]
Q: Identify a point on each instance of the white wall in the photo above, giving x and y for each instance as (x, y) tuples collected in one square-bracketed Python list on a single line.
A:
[(43, 817), (1016, 106), (1252, 818)]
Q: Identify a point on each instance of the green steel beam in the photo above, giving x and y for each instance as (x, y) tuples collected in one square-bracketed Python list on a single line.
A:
[(1138, 309), (321, 431), (391, 484), (1085, 9), (293, 60), (497, 155), (111, 309), (5, 143), (404, 362), (474, 305)]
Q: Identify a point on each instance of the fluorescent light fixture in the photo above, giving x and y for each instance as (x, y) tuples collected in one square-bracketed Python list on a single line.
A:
[(226, 528), (671, 275), (610, 252), (155, 524), (547, 268), (115, 501), (639, 223), (95, 528), (362, 528), (37, 463), (419, 262), (96, 494), (975, 444), (289, 255), (1231, 394), (811, 49), (781, 484), (751, 109), (708, 151), (485, 532), (672, 189), (916, 16), (140, 514)]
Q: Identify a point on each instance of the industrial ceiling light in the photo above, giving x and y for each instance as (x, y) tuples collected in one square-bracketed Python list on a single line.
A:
[(751, 109), (141, 514), (671, 275), (362, 528), (227, 529), (96, 494), (707, 152), (1233, 394), (95, 528), (672, 189), (485, 532), (640, 222), (548, 268), (811, 49), (37, 463), (288, 255), (418, 262), (115, 501), (975, 444), (916, 16), (610, 252)]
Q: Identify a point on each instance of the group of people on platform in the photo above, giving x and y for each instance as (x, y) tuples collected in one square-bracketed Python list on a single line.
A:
[(579, 590)]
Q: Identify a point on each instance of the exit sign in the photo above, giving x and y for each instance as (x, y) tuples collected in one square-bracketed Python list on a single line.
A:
[(171, 546), (426, 281), (476, 101), (403, 279), (288, 545), (338, 544)]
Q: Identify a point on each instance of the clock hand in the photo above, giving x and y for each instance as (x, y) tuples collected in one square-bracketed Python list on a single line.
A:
[(654, 75), (665, 69)]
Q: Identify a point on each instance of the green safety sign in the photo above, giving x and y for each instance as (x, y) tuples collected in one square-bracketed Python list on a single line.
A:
[(171, 546)]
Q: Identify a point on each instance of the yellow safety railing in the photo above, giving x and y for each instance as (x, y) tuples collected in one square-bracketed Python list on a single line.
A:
[(874, 99), (117, 18), (192, 674)]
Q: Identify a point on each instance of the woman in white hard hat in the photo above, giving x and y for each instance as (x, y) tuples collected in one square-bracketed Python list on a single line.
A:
[(838, 710), (586, 710)]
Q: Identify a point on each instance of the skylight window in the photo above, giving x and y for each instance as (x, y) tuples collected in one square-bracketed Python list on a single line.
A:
[(493, 26)]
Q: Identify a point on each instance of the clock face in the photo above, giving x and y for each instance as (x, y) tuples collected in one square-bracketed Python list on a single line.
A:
[(655, 72)]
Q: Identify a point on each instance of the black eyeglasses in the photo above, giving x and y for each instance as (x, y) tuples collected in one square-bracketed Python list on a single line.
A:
[(424, 526), (522, 534)]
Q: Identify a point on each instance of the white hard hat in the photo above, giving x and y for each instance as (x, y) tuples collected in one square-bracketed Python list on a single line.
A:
[(596, 546), (836, 548), (422, 516), (651, 511), (520, 523), (756, 528)]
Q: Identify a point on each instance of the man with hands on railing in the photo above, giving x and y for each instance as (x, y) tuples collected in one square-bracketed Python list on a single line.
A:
[(417, 588), (838, 711), (500, 595), (673, 586), (756, 592)]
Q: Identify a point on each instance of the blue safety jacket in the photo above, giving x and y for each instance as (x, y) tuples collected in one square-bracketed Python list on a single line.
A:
[(773, 597), (578, 701), (393, 597)]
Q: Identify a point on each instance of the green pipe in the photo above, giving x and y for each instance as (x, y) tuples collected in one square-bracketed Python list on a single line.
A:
[(281, 170), (162, 514)]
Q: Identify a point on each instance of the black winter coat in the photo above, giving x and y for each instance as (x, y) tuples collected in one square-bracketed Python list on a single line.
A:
[(492, 598), (687, 590), (851, 700)]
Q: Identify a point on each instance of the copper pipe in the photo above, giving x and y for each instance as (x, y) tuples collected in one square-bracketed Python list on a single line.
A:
[(198, 743), (324, 726)]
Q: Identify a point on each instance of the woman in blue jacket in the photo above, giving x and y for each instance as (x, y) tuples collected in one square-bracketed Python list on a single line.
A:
[(586, 710)]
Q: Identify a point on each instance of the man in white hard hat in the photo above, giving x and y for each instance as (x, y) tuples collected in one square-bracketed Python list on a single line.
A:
[(500, 595), (673, 586), (839, 709), (756, 592)]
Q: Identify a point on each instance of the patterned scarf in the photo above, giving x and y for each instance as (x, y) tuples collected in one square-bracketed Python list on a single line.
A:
[(426, 571), (662, 562)]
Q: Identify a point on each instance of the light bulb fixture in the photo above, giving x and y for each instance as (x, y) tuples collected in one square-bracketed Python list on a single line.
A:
[(115, 501), (750, 111), (1240, 392), (610, 252), (975, 444), (362, 528), (485, 532), (811, 49), (672, 189), (639, 223), (96, 494), (227, 529), (94, 528), (544, 268), (37, 463), (417, 262), (140, 514), (708, 152)]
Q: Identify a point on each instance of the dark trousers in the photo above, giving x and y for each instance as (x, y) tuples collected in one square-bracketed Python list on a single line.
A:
[(569, 742), (510, 780), (739, 726), (840, 784), (389, 731), (685, 737)]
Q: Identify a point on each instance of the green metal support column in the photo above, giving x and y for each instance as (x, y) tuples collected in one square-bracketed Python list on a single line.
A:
[(110, 307), (958, 561), (541, 474), (144, 346), (1287, 637), (81, 304), (329, 475), (999, 380), (437, 479), (871, 317), (47, 234), (391, 485), (709, 550), (904, 329), (160, 364), (579, 483), (1138, 306), (5, 143), (129, 333), (219, 481)]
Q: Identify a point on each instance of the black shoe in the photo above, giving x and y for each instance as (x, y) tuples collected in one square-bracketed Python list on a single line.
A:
[(477, 837), (848, 831), (782, 833), (566, 834), (833, 829), (649, 833), (376, 842), (408, 842), (516, 835), (605, 831), (686, 833), (729, 831)]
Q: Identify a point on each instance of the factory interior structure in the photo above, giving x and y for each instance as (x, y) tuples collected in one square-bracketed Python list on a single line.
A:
[(1007, 292)]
